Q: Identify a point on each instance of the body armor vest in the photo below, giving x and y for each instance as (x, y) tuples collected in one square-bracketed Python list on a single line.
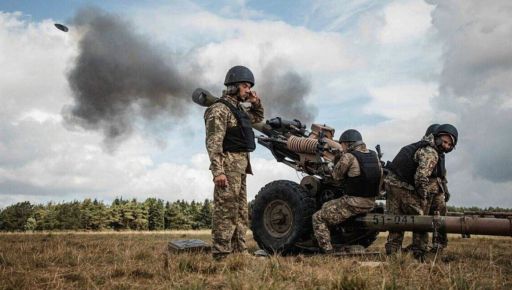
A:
[(440, 170), (239, 138), (367, 184), (404, 166)]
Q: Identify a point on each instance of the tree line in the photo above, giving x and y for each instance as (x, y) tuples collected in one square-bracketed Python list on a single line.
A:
[(152, 214)]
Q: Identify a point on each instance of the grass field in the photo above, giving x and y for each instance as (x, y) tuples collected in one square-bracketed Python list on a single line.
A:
[(141, 260)]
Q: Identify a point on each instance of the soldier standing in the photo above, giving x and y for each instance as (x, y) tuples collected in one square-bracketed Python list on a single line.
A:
[(360, 170), (409, 183), (229, 139)]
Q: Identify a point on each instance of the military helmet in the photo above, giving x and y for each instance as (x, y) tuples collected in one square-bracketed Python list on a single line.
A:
[(448, 129), (239, 74), (351, 135), (431, 129)]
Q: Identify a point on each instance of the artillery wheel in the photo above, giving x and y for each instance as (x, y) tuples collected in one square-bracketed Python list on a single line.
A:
[(281, 216)]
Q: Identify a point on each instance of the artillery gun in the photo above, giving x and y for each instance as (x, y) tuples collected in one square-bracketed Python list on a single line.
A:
[(281, 211)]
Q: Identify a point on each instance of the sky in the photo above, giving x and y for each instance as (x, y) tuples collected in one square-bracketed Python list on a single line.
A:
[(73, 127)]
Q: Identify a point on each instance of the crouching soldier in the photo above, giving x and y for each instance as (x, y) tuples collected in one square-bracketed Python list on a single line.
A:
[(360, 171), (439, 195), (412, 181)]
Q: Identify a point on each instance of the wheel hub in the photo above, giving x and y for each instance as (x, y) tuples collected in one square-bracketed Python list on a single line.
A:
[(278, 218)]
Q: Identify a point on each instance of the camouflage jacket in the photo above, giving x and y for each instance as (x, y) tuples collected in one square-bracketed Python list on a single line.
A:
[(218, 117), (348, 166), (426, 158)]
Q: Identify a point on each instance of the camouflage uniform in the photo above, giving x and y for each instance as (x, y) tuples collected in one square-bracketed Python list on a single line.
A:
[(229, 222), (338, 210), (437, 203), (403, 198)]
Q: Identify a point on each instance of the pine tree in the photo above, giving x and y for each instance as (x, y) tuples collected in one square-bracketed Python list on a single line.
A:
[(140, 214), (156, 214), (31, 224), (86, 209), (68, 216), (98, 216), (114, 215), (14, 217), (178, 219), (205, 215), (167, 216)]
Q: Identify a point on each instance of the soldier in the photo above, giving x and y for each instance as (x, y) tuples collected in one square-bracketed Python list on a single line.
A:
[(229, 139), (409, 182), (360, 171), (439, 197)]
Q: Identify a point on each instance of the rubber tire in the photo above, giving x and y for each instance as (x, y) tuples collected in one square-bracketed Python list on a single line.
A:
[(302, 206)]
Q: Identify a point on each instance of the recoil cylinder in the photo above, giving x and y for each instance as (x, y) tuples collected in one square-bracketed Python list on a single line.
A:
[(302, 145)]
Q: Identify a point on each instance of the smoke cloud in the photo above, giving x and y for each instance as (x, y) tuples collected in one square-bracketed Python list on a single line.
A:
[(119, 76), (476, 80), (285, 92)]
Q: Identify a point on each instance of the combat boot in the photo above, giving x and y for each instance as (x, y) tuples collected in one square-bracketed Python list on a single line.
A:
[(326, 251), (419, 256), (219, 256)]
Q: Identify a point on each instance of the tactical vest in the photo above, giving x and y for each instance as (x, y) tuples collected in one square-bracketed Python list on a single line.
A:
[(367, 184), (404, 165), (239, 138), (440, 170)]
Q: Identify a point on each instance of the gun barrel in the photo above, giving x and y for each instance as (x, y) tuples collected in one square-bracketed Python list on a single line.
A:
[(459, 225)]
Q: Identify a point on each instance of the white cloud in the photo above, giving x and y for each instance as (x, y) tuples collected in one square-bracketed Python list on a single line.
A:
[(40, 116), (402, 101), (255, 43), (33, 60), (41, 160), (258, 43), (405, 20)]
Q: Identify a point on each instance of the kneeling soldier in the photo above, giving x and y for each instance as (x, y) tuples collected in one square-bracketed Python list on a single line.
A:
[(360, 171)]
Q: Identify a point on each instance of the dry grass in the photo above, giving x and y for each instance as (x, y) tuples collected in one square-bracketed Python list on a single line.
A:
[(133, 260)]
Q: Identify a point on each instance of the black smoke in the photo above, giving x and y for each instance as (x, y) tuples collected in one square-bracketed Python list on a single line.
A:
[(284, 92), (120, 79), (119, 76)]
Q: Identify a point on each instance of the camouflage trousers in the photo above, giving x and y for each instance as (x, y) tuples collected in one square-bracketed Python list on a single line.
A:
[(335, 212), (404, 201), (437, 203), (229, 220)]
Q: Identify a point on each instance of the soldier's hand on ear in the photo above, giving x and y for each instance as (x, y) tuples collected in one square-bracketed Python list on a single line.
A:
[(253, 97), (221, 180)]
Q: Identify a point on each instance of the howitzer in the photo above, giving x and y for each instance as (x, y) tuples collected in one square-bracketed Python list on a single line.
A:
[(489, 214), (281, 211), (464, 225), (290, 142)]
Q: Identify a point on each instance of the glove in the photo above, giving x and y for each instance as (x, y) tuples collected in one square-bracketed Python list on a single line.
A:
[(446, 196)]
